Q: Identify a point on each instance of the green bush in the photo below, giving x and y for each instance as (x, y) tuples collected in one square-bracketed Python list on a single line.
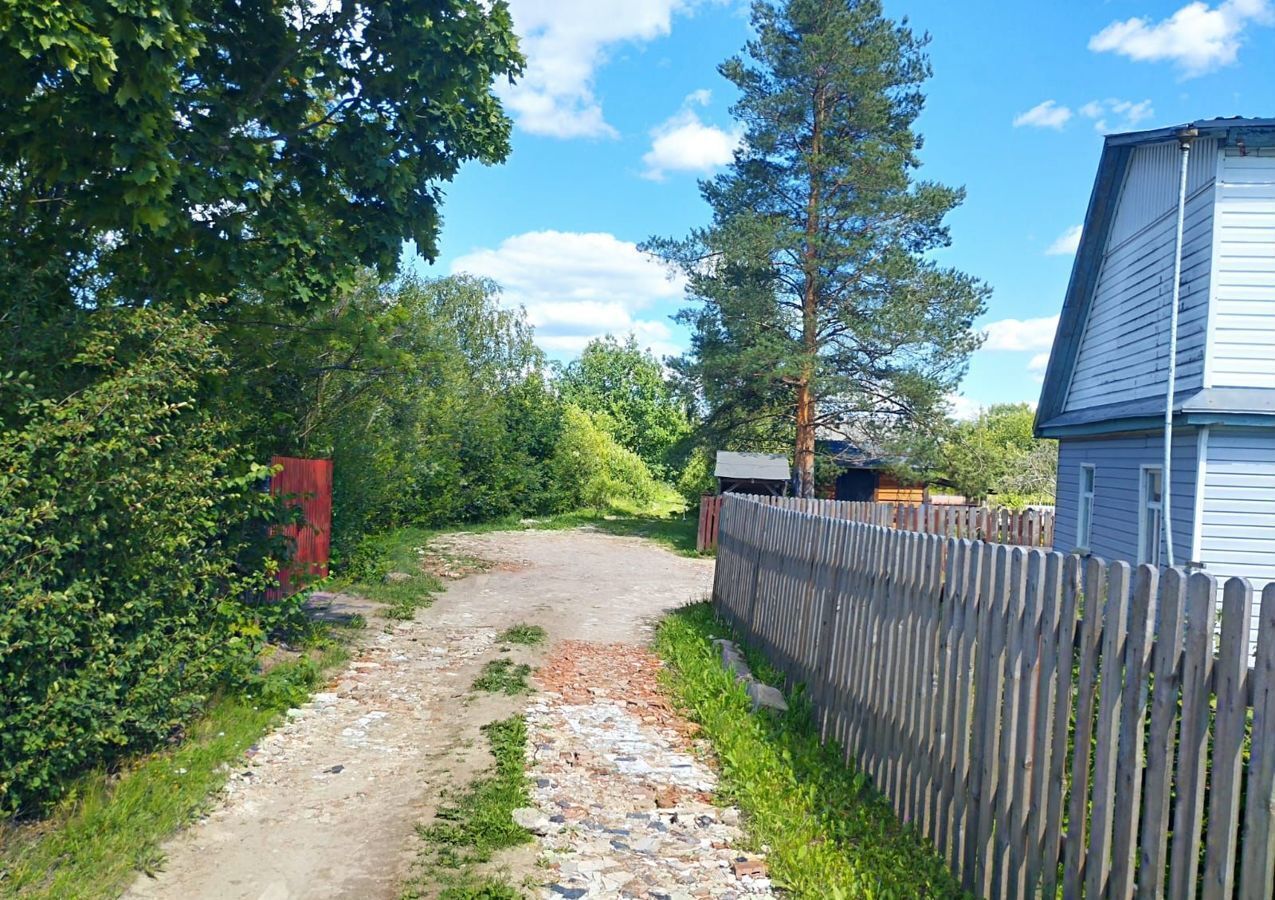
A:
[(433, 404), (125, 520), (696, 477), (591, 470)]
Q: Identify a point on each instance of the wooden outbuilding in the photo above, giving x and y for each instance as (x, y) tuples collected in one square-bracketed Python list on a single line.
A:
[(767, 474), (866, 475)]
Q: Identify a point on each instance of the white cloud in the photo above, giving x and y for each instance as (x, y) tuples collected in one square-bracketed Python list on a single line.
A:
[(1066, 243), (1044, 115), (1198, 38), (1037, 366), (963, 408), (683, 143), (1021, 334), (565, 42), (578, 286), (1127, 114)]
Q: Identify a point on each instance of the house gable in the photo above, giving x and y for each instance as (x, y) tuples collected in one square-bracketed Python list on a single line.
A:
[(1108, 369), (1123, 353)]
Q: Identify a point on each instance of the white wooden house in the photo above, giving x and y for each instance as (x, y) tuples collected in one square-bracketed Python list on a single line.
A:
[(1107, 386)]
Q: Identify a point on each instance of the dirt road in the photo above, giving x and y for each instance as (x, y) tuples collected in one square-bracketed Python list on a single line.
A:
[(327, 805)]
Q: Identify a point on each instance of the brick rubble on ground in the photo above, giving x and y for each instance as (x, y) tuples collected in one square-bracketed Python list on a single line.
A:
[(623, 799)]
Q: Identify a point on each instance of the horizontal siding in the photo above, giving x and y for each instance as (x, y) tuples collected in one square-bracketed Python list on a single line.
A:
[(1123, 354), (1117, 465), (1237, 535), (1242, 352)]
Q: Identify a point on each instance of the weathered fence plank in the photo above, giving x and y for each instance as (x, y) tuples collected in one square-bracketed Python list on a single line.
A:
[(1188, 808), (1030, 527), (1038, 717), (1231, 671), (1130, 761), (1076, 843), (1158, 783), (1115, 617), (1257, 866)]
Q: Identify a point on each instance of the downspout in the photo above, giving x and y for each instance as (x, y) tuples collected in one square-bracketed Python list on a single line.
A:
[(1185, 136)]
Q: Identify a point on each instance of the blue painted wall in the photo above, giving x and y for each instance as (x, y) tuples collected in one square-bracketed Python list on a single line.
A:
[(1117, 465), (1237, 535)]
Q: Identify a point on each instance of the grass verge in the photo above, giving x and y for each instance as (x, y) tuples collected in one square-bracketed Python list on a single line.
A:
[(112, 825), (830, 834), (503, 676), (477, 823)]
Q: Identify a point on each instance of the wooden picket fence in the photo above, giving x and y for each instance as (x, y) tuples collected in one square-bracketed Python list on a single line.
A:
[(1048, 722), (1027, 528)]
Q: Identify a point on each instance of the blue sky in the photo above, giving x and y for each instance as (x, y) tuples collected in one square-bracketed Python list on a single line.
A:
[(622, 109)]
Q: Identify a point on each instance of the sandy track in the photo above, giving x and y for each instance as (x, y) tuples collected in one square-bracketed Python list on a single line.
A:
[(330, 806)]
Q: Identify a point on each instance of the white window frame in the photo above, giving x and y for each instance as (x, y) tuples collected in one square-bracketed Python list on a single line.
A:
[(1085, 505), (1144, 507)]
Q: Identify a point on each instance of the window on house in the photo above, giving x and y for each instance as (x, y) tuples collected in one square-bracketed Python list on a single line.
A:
[(1151, 522), (1084, 522)]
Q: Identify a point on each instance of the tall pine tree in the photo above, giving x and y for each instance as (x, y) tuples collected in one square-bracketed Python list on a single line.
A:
[(819, 304)]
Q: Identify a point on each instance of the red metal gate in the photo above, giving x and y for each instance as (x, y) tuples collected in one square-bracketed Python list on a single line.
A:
[(306, 483)]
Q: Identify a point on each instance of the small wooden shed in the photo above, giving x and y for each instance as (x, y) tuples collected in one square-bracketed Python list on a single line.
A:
[(767, 474), (865, 475)]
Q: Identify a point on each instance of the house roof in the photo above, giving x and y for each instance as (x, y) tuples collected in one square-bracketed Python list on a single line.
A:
[(850, 455), (1116, 153), (752, 466), (1208, 406)]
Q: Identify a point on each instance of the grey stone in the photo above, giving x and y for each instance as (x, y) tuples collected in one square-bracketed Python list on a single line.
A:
[(740, 670), (532, 820), (764, 695), (396, 577)]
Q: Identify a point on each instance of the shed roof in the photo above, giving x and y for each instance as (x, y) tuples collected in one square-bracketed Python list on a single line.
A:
[(1116, 153), (752, 466)]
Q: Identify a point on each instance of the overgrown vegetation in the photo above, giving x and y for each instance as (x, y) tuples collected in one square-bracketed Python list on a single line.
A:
[(830, 835), (997, 456), (131, 562), (387, 569), (627, 386), (474, 825), (110, 824), (193, 195), (503, 676)]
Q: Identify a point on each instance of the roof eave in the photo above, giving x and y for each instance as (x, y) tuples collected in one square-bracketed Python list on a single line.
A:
[(1084, 277)]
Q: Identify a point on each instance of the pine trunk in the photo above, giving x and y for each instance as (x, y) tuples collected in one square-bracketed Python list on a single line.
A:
[(805, 449), (805, 441)]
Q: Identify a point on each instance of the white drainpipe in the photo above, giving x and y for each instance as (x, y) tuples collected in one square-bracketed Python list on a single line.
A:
[(1185, 136)]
